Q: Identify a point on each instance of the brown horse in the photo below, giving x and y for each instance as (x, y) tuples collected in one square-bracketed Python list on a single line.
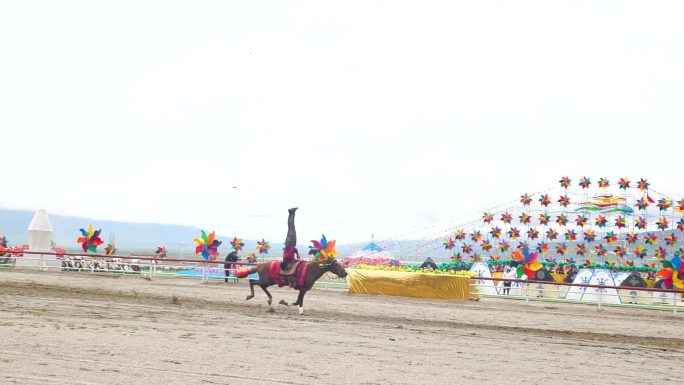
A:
[(314, 272)]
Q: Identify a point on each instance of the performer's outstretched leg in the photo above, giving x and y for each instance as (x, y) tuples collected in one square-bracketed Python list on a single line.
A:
[(290, 240)]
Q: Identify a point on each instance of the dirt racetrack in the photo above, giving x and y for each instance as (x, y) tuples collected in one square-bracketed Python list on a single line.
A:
[(78, 328)]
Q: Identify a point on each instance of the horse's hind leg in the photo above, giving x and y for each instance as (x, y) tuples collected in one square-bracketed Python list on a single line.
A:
[(251, 287), (270, 297)]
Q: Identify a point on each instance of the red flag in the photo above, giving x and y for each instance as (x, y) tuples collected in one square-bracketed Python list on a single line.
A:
[(650, 200)]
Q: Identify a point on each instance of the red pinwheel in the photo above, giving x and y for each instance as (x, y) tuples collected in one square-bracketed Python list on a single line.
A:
[(467, 249), (514, 233), (642, 203), (680, 225), (506, 218), (601, 221), (542, 247), (662, 223), (650, 238), (449, 243), (459, 235), (610, 237), (564, 201), (263, 247), (589, 236), (532, 233), (632, 238), (641, 223), (495, 232), (565, 182), (487, 217), (237, 244), (525, 199), (562, 220), (621, 251), (643, 184), (90, 239), (664, 204), (640, 251), (486, 245), (623, 183), (620, 222), (570, 236), (551, 234), (544, 219), (581, 249), (585, 182), (671, 239), (660, 253), (525, 218), (600, 250), (544, 200), (476, 236), (581, 221), (561, 249), (504, 246), (603, 183)]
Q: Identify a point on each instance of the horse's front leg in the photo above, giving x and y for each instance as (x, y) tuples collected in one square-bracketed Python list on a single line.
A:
[(251, 288), (300, 301), (270, 297)]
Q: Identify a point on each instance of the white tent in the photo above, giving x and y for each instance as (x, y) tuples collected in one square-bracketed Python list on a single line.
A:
[(485, 286)]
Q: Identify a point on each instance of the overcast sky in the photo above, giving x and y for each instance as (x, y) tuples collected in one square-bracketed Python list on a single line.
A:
[(373, 117)]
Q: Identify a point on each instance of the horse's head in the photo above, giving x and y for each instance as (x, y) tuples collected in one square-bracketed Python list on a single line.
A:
[(337, 268)]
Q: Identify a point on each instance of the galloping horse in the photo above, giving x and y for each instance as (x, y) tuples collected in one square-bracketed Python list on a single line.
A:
[(315, 270)]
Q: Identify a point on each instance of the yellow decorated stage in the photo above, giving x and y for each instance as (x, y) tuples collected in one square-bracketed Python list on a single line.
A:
[(406, 284)]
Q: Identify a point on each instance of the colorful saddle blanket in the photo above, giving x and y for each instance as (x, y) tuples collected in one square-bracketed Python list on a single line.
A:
[(297, 280)]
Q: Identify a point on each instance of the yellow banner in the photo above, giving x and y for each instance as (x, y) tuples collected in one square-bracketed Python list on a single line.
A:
[(403, 284)]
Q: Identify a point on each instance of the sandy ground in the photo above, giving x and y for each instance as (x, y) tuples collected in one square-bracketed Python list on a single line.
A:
[(76, 328)]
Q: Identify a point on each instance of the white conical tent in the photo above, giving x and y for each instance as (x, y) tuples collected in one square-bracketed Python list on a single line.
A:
[(40, 238), (485, 286)]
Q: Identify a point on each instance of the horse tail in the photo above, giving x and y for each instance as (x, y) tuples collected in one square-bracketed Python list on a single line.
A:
[(244, 272)]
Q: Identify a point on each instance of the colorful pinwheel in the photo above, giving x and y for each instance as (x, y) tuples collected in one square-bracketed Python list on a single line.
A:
[(581, 221), (90, 239), (528, 262), (3, 240), (642, 203), (641, 223), (600, 250), (532, 233), (523, 244), (640, 251), (514, 233), (581, 249), (564, 201), (237, 244), (525, 199), (585, 182), (565, 182), (672, 273), (650, 238), (589, 236), (632, 238), (603, 183), (466, 248), (624, 183), (561, 248), (251, 258), (680, 205), (495, 232), (551, 234), (662, 223), (544, 219), (660, 253), (476, 236), (610, 237), (207, 245), (562, 220), (449, 244), (506, 218), (664, 204), (459, 235), (525, 218), (643, 184), (542, 247), (504, 246), (671, 239), (621, 251), (486, 245), (601, 221), (110, 249), (263, 247), (487, 217), (324, 250), (570, 236), (161, 252), (680, 225), (544, 200), (620, 222)]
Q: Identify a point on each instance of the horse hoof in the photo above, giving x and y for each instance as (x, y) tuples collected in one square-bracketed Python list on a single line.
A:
[(249, 297), (283, 302)]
